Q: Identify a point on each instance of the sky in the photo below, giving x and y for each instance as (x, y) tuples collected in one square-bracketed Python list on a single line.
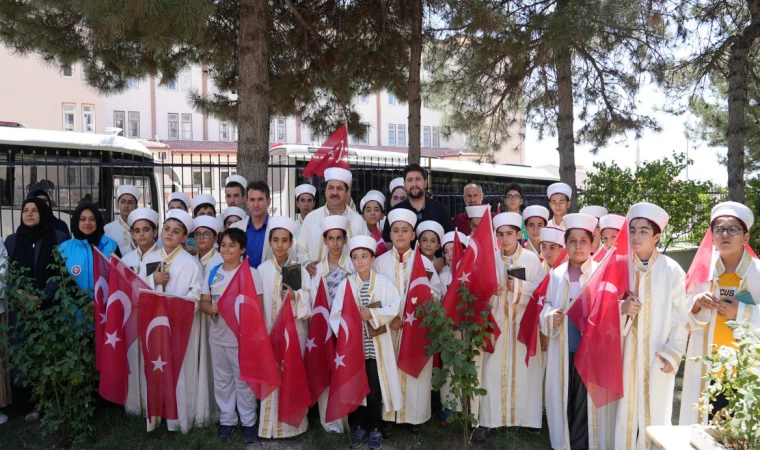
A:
[(653, 145)]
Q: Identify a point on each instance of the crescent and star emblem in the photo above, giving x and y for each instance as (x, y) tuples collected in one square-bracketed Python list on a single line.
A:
[(126, 303)]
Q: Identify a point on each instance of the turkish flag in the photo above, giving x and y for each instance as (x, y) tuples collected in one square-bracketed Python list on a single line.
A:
[(333, 153), (295, 397), (596, 314), (477, 271), (381, 247), (529, 322), (164, 321), (240, 308), (412, 355), (120, 331), (701, 266), (348, 382), (601, 253), (101, 269), (320, 346)]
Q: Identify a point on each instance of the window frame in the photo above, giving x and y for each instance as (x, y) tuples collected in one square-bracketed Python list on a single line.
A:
[(169, 124), (172, 82), (131, 81), (391, 134), (123, 126), (435, 137), (129, 124), (185, 80), (182, 130), (401, 134), (91, 113), (71, 68), (224, 127), (426, 137), (73, 112)]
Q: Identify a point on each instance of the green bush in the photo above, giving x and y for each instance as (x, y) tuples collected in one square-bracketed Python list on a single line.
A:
[(55, 354), (752, 200)]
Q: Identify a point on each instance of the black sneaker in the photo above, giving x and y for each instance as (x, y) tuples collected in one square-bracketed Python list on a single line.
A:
[(251, 434), (479, 434), (359, 438), (386, 430), (375, 440), (225, 431)]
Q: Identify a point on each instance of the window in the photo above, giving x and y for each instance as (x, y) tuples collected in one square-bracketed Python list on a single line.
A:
[(184, 80), (187, 127), (224, 131), (225, 173), (69, 121), (82, 72), (172, 85), (391, 98), (436, 142), (426, 136), (133, 84), (391, 134), (234, 133), (173, 126), (364, 98), (134, 124), (401, 135), (118, 121), (271, 130), (67, 71), (202, 178), (88, 119), (277, 130)]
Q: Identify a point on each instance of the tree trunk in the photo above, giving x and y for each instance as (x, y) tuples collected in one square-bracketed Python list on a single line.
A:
[(565, 132), (253, 90), (415, 102)]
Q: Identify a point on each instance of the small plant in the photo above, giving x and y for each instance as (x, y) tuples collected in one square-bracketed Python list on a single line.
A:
[(735, 374), (53, 350)]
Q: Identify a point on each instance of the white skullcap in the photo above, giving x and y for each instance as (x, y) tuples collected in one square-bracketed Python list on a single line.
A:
[(203, 199), (615, 221), (507, 218), (183, 217), (559, 188), (396, 183), (129, 189), (233, 211), (733, 209), (430, 225), (181, 196), (282, 222), (372, 196), (551, 234), (403, 215), (593, 210), (580, 221), (305, 189), (477, 211), (333, 223), (142, 214), (362, 241), (235, 179), (449, 237), (212, 223), (337, 173), (649, 211), (536, 211)]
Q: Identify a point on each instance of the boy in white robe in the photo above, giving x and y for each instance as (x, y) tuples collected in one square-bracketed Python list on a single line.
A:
[(447, 244), (305, 200), (560, 200), (127, 198), (609, 227), (230, 392), (371, 208), (397, 266), (281, 232), (552, 243), (535, 218), (713, 302), (653, 347), (598, 212), (369, 288)]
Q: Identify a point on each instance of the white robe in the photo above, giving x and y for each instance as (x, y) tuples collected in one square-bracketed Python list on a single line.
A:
[(446, 276), (271, 278), (309, 244), (702, 326), (660, 327), (382, 290), (207, 409), (514, 389), (554, 224), (529, 246), (119, 231), (185, 278), (415, 391)]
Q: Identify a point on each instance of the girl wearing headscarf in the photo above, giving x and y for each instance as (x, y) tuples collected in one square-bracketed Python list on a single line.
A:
[(58, 224), (87, 226)]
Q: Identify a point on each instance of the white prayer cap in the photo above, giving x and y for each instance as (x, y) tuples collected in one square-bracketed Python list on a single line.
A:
[(593, 210), (733, 209), (449, 237), (181, 196), (551, 234), (333, 223), (362, 241), (477, 211), (403, 215), (129, 189), (235, 179), (430, 225), (282, 222), (615, 221), (535, 211), (203, 199), (183, 217), (372, 196), (559, 188), (507, 218), (396, 183), (212, 223), (580, 221), (305, 189), (338, 173), (233, 211), (649, 211), (142, 214)]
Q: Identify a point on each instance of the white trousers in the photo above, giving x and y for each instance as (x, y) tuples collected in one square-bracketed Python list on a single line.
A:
[(229, 390), (336, 426)]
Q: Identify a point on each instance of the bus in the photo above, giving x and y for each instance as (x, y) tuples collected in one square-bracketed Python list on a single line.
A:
[(74, 168)]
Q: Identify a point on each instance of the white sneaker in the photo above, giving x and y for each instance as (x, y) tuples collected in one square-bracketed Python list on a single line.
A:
[(3, 418)]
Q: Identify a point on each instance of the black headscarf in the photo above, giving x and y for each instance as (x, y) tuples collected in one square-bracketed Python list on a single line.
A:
[(94, 238), (27, 238)]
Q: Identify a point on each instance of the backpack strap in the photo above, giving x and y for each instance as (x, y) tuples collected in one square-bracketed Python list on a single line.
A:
[(212, 274)]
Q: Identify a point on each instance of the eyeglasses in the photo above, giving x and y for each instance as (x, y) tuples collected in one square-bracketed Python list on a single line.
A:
[(733, 230), (204, 235), (514, 197)]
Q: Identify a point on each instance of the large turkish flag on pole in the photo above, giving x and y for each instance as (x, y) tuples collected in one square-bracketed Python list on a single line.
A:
[(332, 153), (101, 273), (412, 355), (320, 345)]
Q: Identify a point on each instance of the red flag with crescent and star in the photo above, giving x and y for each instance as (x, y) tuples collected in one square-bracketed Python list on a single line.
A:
[(101, 270), (412, 355), (320, 345), (332, 153)]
